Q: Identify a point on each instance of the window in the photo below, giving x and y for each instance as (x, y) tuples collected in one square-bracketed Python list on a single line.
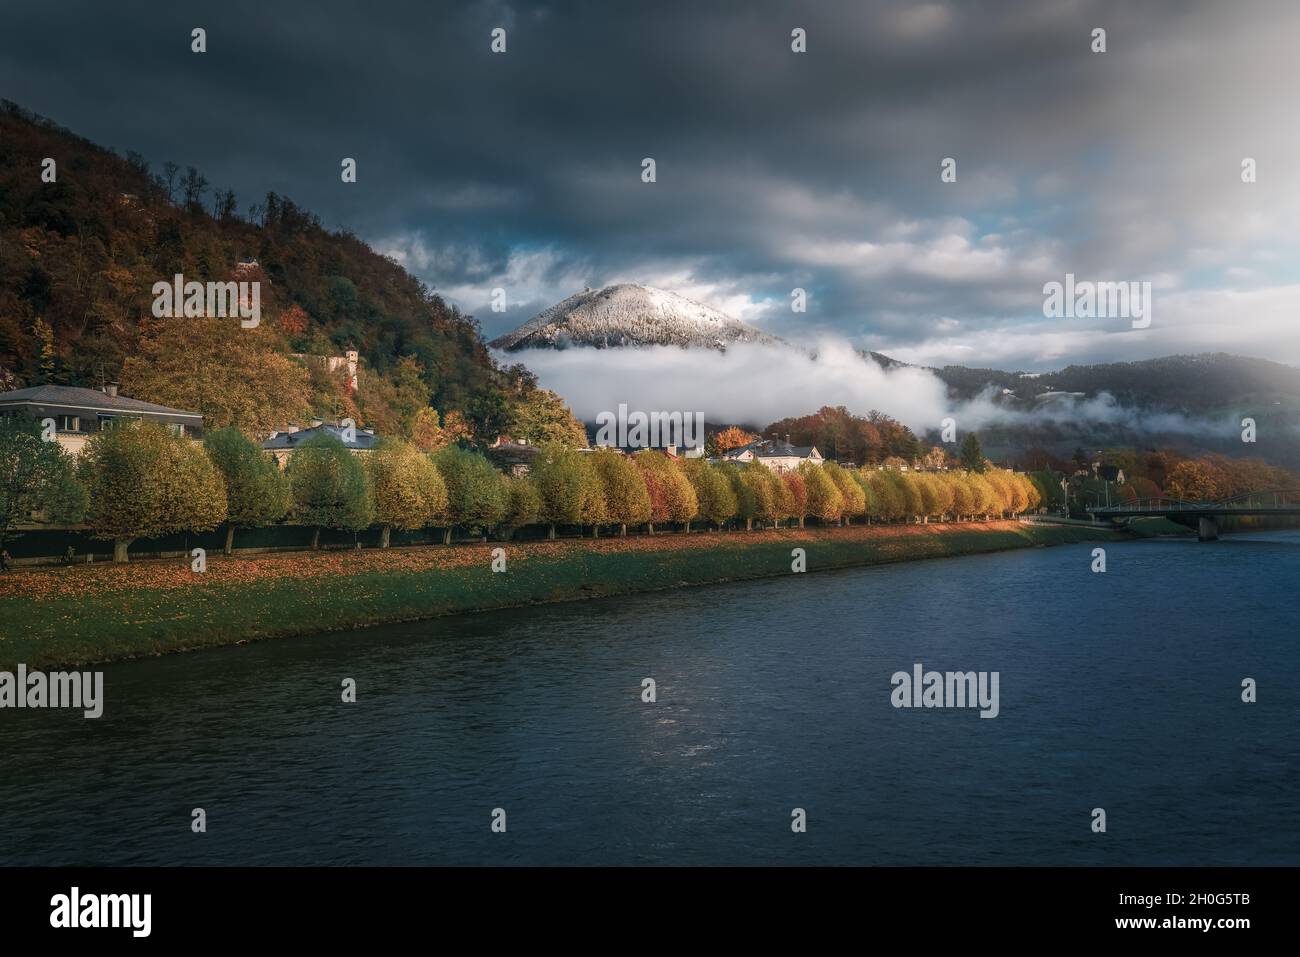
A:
[(107, 420), (67, 423)]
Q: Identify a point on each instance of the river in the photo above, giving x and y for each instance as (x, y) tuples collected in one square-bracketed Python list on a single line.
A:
[(1119, 691)]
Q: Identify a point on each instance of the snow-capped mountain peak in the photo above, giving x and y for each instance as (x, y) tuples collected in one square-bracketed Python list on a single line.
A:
[(629, 314)]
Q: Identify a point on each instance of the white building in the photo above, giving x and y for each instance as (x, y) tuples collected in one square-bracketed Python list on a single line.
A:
[(777, 455)]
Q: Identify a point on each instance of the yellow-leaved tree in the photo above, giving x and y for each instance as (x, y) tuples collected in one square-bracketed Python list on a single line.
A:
[(408, 490), (233, 376), (141, 481)]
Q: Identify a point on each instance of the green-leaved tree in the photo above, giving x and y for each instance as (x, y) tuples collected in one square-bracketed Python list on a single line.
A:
[(476, 492), (256, 491), (35, 476), (329, 487), (525, 501), (408, 489), (569, 487), (972, 455), (142, 481)]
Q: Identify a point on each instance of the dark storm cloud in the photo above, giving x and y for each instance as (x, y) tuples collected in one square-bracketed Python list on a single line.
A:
[(775, 169)]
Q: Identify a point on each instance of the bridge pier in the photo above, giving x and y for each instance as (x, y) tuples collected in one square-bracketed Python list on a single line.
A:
[(1207, 529)]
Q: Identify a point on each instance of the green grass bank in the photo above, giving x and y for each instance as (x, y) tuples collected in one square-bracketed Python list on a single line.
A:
[(99, 613)]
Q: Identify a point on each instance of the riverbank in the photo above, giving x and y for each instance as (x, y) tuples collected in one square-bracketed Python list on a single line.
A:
[(97, 613)]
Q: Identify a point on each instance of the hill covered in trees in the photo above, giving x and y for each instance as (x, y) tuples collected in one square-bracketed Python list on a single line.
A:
[(79, 257), (1192, 402), (1192, 385), (841, 435)]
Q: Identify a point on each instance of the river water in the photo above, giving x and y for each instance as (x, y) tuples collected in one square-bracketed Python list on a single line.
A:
[(1119, 691)]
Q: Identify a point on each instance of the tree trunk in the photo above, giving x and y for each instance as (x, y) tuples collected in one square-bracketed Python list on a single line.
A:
[(801, 521), (749, 524), (650, 528), (446, 535), (595, 531), (119, 548), (688, 526), (315, 538), (622, 530), (551, 533), (384, 536), (230, 539)]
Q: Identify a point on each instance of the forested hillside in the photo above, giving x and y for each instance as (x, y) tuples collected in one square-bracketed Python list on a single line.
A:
[(1191, 384), (1197, 384), (79, 257)]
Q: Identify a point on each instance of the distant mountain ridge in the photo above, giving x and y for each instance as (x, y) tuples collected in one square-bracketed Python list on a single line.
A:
[(1209, 394), (1190, 384), (629, 314)]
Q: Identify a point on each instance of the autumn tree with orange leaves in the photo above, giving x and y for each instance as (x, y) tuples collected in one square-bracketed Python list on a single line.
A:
[(732, 437)]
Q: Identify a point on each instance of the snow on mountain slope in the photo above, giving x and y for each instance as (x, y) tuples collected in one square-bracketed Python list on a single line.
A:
[(629, 314)]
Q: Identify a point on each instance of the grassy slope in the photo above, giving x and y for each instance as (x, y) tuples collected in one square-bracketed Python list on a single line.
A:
[(103, 612)]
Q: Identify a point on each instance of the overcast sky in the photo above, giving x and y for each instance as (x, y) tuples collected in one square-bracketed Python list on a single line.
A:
[(775, 169)]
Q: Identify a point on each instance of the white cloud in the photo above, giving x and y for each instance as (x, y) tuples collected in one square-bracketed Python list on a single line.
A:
[(747, 383), (758, 384)]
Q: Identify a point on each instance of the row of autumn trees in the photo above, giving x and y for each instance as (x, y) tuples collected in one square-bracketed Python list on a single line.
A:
[(141, 481)]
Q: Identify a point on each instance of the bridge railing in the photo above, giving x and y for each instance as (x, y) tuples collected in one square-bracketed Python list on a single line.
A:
[(1270, 498)]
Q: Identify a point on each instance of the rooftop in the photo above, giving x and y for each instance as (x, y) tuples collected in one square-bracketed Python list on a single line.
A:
[(73, 397), (771, 448), (291, 440)]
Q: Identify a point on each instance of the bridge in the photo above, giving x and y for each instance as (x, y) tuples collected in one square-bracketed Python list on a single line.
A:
[(1203, 515)]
